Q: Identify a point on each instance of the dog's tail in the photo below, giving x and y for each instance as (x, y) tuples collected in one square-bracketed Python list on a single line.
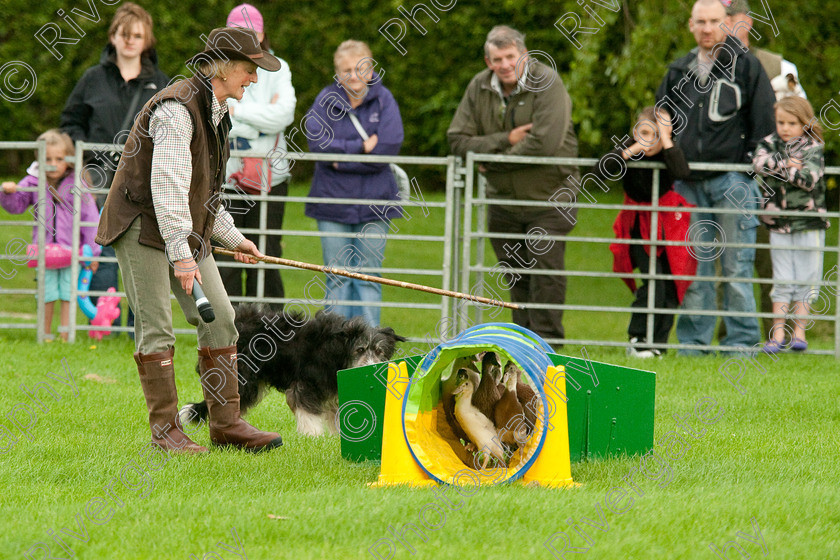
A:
[(192, 412)]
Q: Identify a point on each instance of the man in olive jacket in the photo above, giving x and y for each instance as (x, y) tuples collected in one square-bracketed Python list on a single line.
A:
[(520, 107)]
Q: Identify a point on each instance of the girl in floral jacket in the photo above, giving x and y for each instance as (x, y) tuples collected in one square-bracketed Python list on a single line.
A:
[(791, 164)]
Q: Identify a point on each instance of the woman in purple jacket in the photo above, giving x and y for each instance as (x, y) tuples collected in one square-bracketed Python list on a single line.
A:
[(359, 92), (56, 216)]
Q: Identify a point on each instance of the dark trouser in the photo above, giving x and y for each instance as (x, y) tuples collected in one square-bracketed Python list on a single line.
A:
[(537, 254), (232, 276), (665, 297)]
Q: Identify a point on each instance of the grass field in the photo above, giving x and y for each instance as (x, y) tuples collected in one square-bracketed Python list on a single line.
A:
[(770, 460)]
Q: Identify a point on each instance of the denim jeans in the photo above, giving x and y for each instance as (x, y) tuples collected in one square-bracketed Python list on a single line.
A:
[(361, 249), (735, 262)]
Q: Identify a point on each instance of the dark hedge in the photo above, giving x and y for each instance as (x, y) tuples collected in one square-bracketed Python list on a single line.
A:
[(612, 75)]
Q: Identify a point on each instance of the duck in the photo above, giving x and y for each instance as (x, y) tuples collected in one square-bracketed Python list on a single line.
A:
[(508, 416), (526, 396), (486, 393), (478, 426), (449, 404), (490, 365), (465, 362)]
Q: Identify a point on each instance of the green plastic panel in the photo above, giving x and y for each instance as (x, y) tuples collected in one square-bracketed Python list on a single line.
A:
[(612, 417), (360, 425)]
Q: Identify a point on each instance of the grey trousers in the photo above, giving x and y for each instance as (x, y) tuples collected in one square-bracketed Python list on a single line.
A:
[(148, 278), (796, 264)]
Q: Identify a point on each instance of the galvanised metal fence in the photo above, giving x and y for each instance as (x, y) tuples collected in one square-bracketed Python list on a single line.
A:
[(462, 237), (438, 276), (474, 237)]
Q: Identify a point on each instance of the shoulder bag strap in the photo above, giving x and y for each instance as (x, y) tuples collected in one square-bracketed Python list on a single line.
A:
[(128, 116), (358, 126)]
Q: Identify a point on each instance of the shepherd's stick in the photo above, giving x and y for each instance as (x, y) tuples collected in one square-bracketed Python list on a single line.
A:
[(369, 278)]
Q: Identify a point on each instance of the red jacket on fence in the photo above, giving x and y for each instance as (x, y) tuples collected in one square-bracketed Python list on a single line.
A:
[(673, 226)]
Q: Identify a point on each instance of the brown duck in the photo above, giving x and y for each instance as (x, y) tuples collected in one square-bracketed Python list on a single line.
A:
[(525, 394), (487, 393), (508, 415)]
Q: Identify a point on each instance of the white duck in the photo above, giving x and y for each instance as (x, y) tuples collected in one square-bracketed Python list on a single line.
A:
[(478, 427)]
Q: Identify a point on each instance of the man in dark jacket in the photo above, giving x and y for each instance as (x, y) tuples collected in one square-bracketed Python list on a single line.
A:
[(722, 104), (521, 107)]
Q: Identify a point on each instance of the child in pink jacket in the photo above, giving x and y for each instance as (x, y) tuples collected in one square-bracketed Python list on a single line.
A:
[(56, 216)]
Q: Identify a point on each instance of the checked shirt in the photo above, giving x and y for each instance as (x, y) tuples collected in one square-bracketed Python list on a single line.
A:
[(171, 129)]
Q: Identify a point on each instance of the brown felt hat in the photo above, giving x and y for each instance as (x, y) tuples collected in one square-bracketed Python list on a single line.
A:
[(236, 43)]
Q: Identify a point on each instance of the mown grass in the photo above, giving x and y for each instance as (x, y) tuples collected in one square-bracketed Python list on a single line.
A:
[(407, 254), (771, 456)]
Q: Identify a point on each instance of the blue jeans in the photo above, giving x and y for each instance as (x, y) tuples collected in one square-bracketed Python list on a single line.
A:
[(735, 262), (361, 249)]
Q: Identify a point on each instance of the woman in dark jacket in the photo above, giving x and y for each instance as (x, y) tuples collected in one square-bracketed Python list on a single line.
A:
[(105, 102), (359, 93), (109, 95)]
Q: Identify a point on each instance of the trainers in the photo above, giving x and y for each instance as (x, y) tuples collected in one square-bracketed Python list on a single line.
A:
[(645, 353), (798, 345)]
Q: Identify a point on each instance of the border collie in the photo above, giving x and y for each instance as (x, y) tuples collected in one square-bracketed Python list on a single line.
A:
[(300, 358)]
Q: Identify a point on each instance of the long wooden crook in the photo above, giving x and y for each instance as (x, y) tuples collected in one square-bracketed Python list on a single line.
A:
[(377, 279)]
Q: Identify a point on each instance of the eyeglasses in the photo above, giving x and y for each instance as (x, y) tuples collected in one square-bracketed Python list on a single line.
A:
[(129, 36)]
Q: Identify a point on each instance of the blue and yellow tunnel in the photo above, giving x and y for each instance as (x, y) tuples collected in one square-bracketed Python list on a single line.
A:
[(428, 435)]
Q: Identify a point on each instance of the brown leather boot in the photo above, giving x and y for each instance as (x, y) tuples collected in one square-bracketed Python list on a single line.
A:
[(157, 376), (217, 368)]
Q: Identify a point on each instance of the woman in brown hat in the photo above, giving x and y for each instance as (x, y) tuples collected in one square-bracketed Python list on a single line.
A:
[(160, 215)]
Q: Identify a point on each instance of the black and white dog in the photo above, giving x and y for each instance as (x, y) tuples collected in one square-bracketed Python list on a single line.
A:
[(300, 358)]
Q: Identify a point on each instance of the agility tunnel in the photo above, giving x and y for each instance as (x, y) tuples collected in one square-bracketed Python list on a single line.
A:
[(393, 412)]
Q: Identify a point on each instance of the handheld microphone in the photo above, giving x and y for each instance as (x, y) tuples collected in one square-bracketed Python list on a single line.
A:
[(203, 304)]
